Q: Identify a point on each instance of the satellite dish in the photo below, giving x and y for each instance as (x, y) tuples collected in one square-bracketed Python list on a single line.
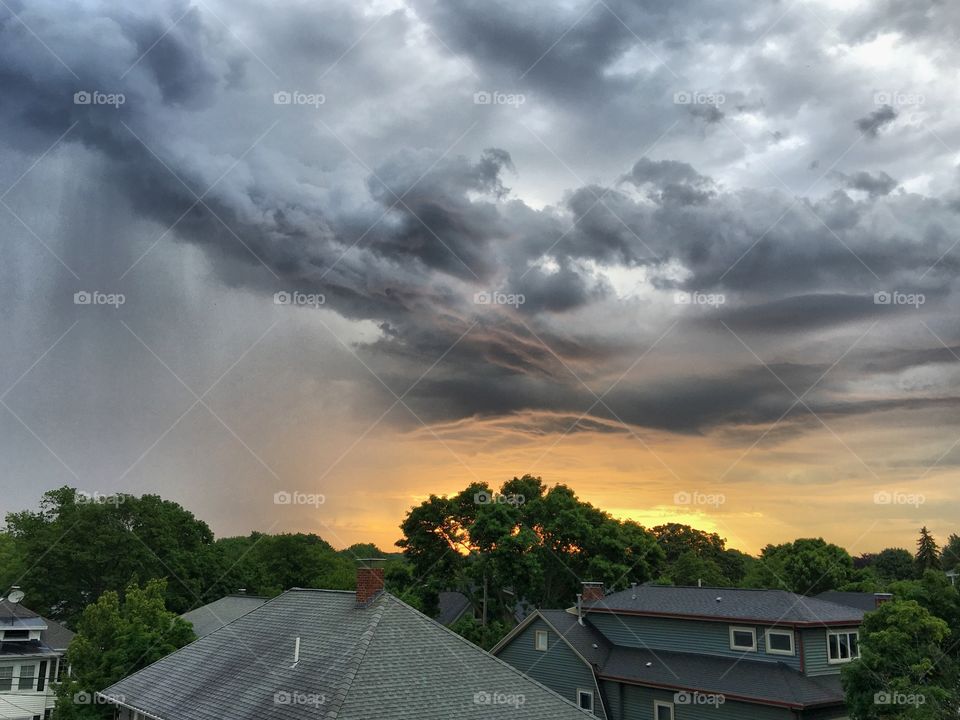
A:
[(15, 596)]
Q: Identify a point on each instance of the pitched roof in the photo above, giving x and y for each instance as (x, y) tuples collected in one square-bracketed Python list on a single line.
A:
[(586, 640), (10, 611), (56, 636), (767, 682), (383, 661), (863, 600), (452, 606), (773, 606), (215, 615)]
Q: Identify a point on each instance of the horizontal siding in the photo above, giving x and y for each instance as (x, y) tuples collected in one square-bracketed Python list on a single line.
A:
[(638, 705), (712, 638), (815, 652), (559, 668)]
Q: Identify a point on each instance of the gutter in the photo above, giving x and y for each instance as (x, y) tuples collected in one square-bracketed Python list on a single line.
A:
[(711, 618)]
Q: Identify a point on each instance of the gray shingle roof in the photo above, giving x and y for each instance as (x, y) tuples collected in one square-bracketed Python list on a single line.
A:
[(215, 615), (587, 640), (56, 635), (773, 606), (383, 661), (9, 611), (452, 606), (865, 601), (765, 681)]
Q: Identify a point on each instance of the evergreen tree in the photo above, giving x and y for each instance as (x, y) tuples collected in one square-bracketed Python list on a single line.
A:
[(928, 552)]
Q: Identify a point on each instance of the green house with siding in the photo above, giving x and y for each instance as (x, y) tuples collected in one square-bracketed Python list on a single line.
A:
[(656, 652)]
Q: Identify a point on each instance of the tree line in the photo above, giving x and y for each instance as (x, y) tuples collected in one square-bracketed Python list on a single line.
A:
[(121, 569)]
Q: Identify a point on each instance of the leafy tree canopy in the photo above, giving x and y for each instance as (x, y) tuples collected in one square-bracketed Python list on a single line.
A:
[(114, 639), (93, 545), (903, 671), (808, 566)]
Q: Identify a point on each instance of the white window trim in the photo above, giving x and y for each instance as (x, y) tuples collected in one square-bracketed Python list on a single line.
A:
[(657, 704), (842, 661), (788, 633), (739, 648), (537, 635), (584, 691)]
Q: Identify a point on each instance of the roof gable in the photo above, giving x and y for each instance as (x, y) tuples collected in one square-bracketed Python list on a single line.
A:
[(386, 660)]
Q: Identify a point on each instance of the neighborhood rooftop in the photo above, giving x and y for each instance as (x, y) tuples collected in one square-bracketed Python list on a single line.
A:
[(768, 606), (380, 660), (215, 615)]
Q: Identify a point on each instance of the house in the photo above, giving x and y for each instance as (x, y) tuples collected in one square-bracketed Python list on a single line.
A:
[(215, 615), (31, 660), (656, 652), (334, 654)]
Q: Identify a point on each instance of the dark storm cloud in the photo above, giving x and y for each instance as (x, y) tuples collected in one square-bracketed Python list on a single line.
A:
[(874, 184), (409, 240), (871, 124)]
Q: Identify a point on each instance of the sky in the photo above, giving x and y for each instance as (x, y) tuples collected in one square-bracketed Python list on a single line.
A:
[(697, 261)]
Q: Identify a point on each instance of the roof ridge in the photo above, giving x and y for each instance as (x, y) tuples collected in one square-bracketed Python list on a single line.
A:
[(355, 660)]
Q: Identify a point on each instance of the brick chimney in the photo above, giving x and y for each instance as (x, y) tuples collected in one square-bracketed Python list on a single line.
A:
[(592, 591), (369, 580)]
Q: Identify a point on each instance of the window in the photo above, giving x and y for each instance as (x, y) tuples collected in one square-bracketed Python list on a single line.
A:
[(662, 710), (540, 640), (6, 677), (16, 635), (843, 646), (743, 638), (28, 677), (585, 700), (780, 642)]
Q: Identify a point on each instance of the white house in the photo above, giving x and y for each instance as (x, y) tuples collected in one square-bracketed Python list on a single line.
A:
[(31, 660)]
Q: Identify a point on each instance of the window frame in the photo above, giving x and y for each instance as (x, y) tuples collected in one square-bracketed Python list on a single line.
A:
[(537, 635), (6, 679), (589, 693), (32, 677), (740, 628), (657, 704), (779, 631), (837, 634)]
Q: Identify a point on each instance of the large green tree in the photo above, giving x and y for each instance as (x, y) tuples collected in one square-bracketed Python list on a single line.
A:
[(934, 592), (11, 563), (90, 545), (903, 670), (526, 542), (116, 637), (807, 566), (894, 564)]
